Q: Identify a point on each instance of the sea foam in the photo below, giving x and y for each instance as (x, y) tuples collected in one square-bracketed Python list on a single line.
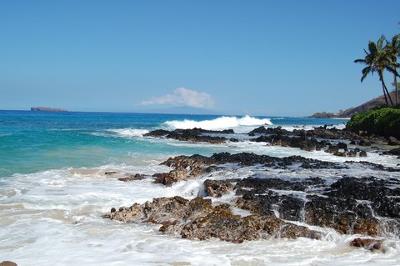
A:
[(219, 123), (129, 132)]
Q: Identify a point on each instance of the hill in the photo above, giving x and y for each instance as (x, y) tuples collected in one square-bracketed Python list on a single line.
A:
[(376, 102)]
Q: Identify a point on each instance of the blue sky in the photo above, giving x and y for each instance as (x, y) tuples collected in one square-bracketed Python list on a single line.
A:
[(237, 57)]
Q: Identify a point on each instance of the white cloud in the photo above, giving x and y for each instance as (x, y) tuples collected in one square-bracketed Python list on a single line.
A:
[(183, 97)]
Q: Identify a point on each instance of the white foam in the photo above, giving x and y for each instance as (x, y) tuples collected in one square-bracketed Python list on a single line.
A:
[(223, 122), (54, 217), (129, 132)]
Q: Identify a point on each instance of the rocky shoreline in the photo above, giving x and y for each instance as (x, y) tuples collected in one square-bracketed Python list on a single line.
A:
[(284, 198)]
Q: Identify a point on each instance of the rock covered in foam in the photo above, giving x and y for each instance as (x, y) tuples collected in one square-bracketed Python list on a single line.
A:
[(199, 219), (217, 188)]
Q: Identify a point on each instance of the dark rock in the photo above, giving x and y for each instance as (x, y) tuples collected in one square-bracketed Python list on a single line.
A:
[(367, 243), (8, 263), (198, 219), (217, 188), (110, 173), (193, 135), (394, 152), (157, 133), (345, 215), (393, 141), (362, 154), (132, 177), (268, 131)]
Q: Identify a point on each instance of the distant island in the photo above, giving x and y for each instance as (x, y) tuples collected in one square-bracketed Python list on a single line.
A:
[(46, 109), (374, 103)]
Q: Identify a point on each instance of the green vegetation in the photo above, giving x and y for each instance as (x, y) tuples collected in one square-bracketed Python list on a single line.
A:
[(383, 122), (382, 57)]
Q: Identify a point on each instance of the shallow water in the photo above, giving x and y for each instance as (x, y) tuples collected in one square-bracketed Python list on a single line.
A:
[(53, 192)]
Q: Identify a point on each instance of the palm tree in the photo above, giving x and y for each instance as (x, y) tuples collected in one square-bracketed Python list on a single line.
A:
[(377, 60), (393, 51)]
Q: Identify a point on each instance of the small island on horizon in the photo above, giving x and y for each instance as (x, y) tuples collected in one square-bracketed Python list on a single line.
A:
[(47, 109)]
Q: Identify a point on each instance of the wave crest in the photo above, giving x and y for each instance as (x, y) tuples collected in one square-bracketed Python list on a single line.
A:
[(219, 123), (129, 132)]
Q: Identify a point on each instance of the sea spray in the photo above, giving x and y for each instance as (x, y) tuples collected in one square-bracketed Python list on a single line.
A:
[(219, 123)]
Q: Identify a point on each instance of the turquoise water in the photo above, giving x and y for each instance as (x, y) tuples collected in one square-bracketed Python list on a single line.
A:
[(36, 141), (54, 191)]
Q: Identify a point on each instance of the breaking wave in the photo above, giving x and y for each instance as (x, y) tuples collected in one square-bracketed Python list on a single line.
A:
[(219, 123), (129, 132)]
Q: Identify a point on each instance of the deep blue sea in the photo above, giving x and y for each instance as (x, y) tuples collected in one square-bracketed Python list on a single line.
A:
[(36, 141)]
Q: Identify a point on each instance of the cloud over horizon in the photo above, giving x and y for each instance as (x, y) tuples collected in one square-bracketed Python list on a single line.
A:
[(183, 97)]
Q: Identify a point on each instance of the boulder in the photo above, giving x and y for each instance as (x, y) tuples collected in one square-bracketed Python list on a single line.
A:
[(8, 263), (367, 243)]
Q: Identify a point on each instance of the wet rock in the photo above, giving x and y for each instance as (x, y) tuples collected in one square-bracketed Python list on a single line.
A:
[(132, 177), (170, 177), (346, 216), (199, 219), (157, 133), (184, 167), (110, 173), (394, 152), (217, 188), (362, 154), (307, 144), (259, 196), (269, 131), (8, 263), (294, 142), (367, 243), (222, 224), (384, 199), (393, 141), (349, 205), (192, 135)]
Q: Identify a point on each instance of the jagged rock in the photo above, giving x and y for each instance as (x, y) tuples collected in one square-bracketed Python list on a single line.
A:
[(349, 205), (268, 131), (185, 167), (367, 243), (171, 177), (193, 135), (306, 143), (198, 219), (347, 216), (132, 177), (217, 188)]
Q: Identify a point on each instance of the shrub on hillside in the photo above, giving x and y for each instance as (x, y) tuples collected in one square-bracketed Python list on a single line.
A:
[(383, 122)]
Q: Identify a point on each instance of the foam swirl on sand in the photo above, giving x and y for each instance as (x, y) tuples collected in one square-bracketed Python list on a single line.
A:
[(219, 123)]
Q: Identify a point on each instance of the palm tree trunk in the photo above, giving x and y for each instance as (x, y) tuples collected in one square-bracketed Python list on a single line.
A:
[(385, 90), (397, 89), (384, 94)]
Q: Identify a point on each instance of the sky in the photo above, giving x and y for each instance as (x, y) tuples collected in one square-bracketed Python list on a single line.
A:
[(229, 57)]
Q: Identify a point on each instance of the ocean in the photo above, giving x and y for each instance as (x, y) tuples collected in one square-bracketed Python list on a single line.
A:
[(53, 192)]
